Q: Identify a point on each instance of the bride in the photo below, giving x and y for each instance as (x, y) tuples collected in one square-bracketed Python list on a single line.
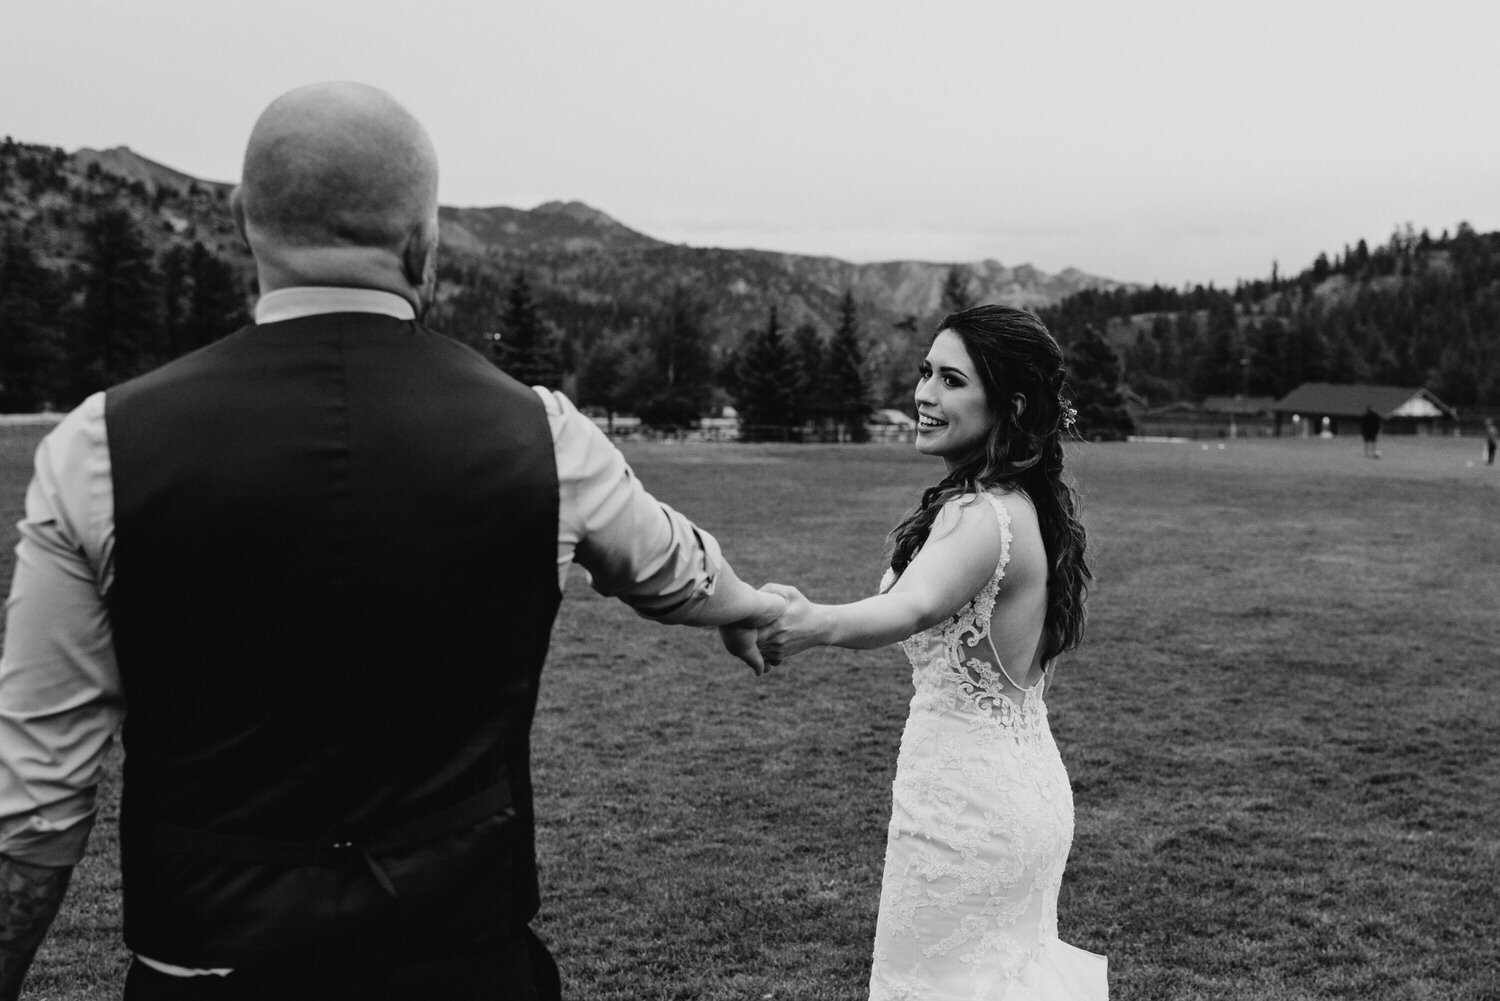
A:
[(985, 590)]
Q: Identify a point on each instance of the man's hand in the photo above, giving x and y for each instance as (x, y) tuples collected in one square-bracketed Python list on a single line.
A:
[(739, 638)]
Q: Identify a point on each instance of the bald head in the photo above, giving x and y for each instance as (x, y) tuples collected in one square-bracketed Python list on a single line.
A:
[(337, 165)]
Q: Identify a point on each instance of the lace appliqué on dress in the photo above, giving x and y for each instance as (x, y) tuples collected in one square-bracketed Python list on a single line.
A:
[(981, 825), (939, 656)]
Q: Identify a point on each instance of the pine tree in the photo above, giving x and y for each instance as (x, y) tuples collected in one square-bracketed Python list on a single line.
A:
[(216, 305), (605, 375), (677, 381), (1143, 365), (766, 379), (526, 349), (469, 309), (176, 290), (956, 290), (31, 337), (810, 385), (1218, 367), (1094, 379), (1269, 358), (117, 333), (848, 378)]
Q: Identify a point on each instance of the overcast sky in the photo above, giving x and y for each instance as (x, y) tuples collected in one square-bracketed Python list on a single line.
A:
[(1172, 141)]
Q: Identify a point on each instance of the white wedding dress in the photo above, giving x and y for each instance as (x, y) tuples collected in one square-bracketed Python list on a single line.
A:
[(981, 823)]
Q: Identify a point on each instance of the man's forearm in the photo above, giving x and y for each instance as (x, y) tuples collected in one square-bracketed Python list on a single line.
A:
[(30, 896), (733, 601)]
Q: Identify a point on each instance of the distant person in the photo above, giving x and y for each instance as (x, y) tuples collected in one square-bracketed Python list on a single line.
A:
[(319, 562), (985, 591), (1490, 440), (1369, 430)]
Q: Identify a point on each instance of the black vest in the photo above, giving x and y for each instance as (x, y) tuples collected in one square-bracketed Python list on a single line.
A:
[(335, 581)]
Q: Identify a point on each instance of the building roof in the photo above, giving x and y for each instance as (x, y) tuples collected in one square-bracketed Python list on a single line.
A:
[(1352, 400), (1239, 404), (899, 418)]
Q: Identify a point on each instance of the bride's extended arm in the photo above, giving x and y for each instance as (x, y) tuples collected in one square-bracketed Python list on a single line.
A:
[(957, 560)]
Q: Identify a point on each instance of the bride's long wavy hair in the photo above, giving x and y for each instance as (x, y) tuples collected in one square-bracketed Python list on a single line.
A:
[(1014, 354)]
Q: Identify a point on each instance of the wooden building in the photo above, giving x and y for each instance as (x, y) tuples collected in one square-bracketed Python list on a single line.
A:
[(1315, 408)]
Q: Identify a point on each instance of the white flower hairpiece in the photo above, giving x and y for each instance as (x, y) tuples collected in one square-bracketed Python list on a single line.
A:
[(1067, 416)]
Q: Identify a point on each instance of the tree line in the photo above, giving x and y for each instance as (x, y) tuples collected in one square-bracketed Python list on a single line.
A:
[(660, 362), (121, 309), (785, 383), (1418, 311), (116, 312), (86, 301)]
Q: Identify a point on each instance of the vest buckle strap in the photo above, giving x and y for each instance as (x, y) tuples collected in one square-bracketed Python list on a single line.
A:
[(381, 876), (491, 802)]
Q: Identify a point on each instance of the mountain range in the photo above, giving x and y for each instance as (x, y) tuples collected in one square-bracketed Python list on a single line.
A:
[(568, 250), (570, 243), (1418, 310)]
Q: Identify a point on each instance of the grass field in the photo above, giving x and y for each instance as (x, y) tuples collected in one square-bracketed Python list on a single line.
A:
[(1282, 734)]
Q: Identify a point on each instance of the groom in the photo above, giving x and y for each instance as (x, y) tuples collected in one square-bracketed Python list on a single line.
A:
[(319, 561)]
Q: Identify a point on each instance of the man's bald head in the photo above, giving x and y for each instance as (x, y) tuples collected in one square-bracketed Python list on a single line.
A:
[(338, 165)]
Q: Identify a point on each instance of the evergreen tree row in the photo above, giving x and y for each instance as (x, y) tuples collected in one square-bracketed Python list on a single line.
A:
[(1419, 311), (803, 386), (658, 364), (118, 312)]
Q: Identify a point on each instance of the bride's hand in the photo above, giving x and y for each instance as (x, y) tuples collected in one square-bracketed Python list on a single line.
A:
[(794, 632), (739, 637)]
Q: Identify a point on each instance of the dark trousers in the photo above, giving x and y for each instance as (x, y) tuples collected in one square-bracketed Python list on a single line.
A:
[(517, 968)]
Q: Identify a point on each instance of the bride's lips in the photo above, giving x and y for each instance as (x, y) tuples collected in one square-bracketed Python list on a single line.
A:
[(926, 422)]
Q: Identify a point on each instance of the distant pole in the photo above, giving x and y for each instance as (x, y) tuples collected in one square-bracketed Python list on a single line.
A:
[(1244, 391)]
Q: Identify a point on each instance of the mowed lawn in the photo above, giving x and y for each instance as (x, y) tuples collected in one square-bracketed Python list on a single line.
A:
[(1282, 734)]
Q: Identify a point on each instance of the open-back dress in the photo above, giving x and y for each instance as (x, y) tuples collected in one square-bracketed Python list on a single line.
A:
[(981, 824)]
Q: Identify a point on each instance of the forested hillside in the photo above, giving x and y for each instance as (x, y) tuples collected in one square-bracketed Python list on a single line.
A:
[(106, 274), (1418, 311), (111, 264)]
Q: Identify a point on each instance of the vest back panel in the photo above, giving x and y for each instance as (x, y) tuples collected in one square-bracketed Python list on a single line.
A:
[(335, 585)]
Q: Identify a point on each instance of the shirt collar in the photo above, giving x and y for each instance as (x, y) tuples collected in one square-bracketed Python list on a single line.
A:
[(308, 300)]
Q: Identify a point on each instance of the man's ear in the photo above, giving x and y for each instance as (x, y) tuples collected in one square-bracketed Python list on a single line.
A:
[(419, 258)]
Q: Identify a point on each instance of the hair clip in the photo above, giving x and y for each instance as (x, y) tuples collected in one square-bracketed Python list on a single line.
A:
[(1067, 416)]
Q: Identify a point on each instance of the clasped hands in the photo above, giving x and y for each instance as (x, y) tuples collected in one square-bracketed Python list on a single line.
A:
[(783, 626)]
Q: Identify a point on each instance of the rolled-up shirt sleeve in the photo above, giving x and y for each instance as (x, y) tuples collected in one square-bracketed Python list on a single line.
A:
[(633, 546), (60, 694)]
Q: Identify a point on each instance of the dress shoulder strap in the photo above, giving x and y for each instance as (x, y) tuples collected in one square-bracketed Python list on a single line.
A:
[(984, 602), (974, 621)]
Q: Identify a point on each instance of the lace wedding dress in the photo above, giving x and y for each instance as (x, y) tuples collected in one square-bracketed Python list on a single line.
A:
[(981, 823)]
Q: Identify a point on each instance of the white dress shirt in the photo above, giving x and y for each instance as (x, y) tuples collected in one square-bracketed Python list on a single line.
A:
[(60, 693)]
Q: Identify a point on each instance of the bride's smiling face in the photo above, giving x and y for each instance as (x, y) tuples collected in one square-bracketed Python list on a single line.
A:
[(953, 413)]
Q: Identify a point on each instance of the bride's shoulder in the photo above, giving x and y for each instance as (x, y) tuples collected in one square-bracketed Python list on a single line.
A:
[(956, 508), (970, 517), (1015, 502), (1022, 528)]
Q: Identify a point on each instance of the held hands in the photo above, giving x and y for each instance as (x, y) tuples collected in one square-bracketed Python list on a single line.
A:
[(786, 623), (795, 630), (739, 637)]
